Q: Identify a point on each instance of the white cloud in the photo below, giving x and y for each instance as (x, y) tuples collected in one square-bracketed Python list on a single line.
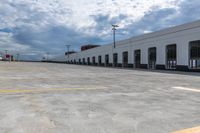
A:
[(78, 19), (147, 31), (7, 42), (76, 13)]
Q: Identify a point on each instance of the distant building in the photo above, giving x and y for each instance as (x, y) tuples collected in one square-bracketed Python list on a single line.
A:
[(12, 57), (8, 57)]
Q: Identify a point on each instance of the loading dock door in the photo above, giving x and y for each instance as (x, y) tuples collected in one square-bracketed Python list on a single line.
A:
[(83, 61), (107, 60), (93, 60), (152, 58), (171, 56), (79, 61), (195, 55), (125, 59), (137, 56), (88, 60), (115, 59), (99, 60)]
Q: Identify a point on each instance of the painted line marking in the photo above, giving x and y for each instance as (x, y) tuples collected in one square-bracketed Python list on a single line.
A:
[(46, 90), (186, 89), (189, 130)]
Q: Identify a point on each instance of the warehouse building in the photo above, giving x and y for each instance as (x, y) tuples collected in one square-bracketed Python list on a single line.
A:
[(176, 48)]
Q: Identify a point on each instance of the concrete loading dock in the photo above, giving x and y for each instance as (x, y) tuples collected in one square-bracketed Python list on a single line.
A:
[(175, 48), (61, 98)]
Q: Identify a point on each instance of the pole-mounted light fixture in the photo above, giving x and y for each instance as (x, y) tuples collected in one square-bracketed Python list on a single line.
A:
[(114, 29)]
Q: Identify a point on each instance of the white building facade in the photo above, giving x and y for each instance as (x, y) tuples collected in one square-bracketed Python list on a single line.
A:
[(176, 48)]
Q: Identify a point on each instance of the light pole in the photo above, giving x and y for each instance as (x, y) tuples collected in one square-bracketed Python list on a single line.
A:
[(6, 52), (17, 56), (114, 29), (1, 54), (68, 46)]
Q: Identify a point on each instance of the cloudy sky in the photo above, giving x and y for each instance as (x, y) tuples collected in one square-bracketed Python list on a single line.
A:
[(35, 27)]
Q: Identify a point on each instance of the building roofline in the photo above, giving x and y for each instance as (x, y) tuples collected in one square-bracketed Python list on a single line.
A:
[(166, 31), (159, 33)]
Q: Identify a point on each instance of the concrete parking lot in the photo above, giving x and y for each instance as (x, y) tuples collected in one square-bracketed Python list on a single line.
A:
[(61, 98)]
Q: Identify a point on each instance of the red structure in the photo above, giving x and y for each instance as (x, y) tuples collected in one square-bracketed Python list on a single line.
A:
[(7, 56), (89, 46), (70, 52)]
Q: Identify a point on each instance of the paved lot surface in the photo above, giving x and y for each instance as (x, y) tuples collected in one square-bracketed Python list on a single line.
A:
[(60, 98)]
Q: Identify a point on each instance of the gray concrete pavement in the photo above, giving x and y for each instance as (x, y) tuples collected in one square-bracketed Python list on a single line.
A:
[(60, 98)]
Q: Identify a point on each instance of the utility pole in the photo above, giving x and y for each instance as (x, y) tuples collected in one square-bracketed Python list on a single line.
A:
[(114, 29), (68, 46), (6, 52), (1, 54), (5, 56), (17, 56)]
